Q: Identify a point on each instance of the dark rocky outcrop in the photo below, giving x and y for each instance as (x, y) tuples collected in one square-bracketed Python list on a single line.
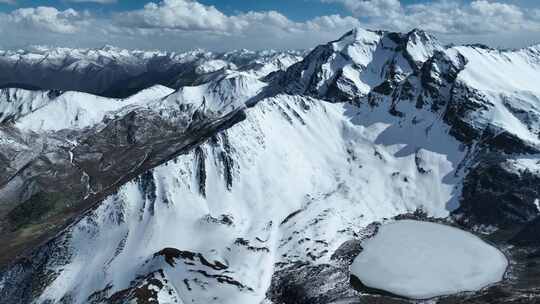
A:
[(495, 195), (529, 235)]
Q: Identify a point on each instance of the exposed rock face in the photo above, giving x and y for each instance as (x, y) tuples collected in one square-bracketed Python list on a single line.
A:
[(496, 193), (255, 183), (528, 235), (304, 282)]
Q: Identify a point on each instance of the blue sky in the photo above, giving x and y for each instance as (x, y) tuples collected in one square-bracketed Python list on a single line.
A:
[(299, 10), (226, 24)]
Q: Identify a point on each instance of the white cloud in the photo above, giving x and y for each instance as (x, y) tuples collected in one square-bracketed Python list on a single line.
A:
[(180, 19), (169, 24), (176, 14), (444, 16), (331, 22), (189, 15), (47, 18), (187, 24), (374, 8)]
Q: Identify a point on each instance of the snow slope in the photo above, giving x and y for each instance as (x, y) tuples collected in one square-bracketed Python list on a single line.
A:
[(422, 260), (77, 110), (505, 84), (15, 103), (334, 173)]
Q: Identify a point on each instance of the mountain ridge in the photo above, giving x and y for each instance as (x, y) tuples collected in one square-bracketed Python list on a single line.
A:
[(113, 72)]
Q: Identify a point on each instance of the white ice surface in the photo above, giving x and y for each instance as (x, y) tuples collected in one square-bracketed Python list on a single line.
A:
[(421, 260)]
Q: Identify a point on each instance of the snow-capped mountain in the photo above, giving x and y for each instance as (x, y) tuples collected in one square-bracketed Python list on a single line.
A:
[(359, 62), (258, 180), (115, 72)]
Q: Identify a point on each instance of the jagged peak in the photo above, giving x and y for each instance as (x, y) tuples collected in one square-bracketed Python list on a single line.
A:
[(355, 36), (412, 39), (419, 36), (420, 33), (359, 61)]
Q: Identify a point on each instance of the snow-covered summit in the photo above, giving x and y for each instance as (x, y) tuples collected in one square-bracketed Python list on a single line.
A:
[(358, 62), (227, 93), (421, 45), (357, 37)]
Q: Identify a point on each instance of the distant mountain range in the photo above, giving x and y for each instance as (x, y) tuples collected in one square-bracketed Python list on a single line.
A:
[(114, 72)]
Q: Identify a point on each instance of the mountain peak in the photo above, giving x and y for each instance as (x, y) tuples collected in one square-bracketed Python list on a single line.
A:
[(359, 61), (355, 36), (418, 32)]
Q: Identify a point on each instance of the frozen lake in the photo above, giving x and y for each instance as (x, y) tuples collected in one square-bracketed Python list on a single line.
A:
[(421, 260)]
